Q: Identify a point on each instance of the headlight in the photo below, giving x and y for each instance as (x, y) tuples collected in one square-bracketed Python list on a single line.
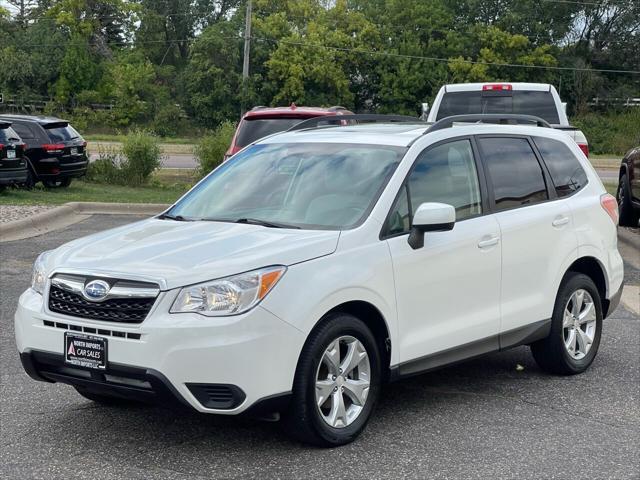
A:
[(230, 295), (39, 275)]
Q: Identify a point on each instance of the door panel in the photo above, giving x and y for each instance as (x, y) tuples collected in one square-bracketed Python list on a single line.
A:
[(536, 240), (448, 292), (537, 234)]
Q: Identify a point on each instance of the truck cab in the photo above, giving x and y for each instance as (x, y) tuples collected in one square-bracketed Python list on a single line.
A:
[(537, 99)]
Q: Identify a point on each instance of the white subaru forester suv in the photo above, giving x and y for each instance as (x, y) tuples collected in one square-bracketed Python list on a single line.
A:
[(317, 264)]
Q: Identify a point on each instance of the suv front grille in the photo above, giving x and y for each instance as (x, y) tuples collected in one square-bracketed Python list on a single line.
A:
[(65, 298)]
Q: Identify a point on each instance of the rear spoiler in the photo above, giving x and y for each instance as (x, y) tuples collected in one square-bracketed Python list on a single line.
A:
[(60, 124)]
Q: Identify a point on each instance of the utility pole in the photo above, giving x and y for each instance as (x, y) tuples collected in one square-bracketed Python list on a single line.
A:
[(247, 51)]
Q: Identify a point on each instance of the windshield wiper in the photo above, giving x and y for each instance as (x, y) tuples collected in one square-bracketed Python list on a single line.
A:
[(177, 218), (265, 223)]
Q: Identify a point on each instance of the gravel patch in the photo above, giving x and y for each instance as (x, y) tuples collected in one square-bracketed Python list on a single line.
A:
[(9, 213)]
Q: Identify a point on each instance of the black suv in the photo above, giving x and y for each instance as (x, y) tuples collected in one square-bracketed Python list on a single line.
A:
[(55, 151), (628, 193), (13, 166)]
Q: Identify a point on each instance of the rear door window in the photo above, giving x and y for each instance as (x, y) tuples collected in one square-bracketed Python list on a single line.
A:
[(514, 172), (567, 174), (254, 129), (524, 102), (61, 133)]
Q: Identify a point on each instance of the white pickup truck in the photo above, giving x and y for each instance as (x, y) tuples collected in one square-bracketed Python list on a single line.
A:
[(538, 99)]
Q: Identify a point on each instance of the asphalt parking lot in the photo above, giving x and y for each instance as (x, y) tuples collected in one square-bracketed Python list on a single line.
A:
[(495, 417)]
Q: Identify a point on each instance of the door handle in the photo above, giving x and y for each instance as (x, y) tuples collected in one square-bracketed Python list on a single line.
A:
[(488, 242), (560, 221)]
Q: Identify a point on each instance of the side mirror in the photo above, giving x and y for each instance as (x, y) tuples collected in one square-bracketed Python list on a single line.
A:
[(431, 217)]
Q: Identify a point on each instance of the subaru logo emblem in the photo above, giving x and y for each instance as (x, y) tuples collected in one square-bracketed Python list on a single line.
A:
[(96, 290)]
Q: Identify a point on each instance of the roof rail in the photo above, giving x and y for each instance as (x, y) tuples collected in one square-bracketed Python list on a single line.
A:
[(500, 118), (338, 120)]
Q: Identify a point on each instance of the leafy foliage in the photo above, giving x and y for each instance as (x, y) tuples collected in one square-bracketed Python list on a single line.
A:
[(210, 150), (123, 64)]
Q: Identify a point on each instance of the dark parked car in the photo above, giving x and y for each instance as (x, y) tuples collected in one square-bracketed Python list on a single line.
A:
[(629, 189), (13, 166), (55, 151), (261, 122)]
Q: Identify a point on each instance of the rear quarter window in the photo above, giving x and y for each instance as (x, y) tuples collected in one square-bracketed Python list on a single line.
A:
[(567, 174)]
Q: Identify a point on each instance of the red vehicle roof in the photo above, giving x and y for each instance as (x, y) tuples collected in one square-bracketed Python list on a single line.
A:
[(294, 111)]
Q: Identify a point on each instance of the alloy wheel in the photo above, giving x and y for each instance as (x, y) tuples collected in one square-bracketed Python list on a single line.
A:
[(579, 324), (342, 381)]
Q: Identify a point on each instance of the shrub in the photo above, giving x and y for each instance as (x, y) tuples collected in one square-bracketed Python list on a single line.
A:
[(142, 156), (610, 133), (209, 152), (168, 121), (132, 165), (106, 168)]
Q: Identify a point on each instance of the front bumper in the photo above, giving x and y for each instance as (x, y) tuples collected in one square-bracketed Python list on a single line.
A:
[(167, 356)]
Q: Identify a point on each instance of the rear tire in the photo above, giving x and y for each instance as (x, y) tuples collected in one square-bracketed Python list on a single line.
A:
[(348, 401), (105, 399), (576, 327), (31, 180), (629, 216), (62, 183)]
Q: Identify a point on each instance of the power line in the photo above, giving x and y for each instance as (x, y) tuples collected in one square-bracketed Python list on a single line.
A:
[(348, 50), (447, 60)]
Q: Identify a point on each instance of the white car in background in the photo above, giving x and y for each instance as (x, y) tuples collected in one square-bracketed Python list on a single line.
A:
[(317, 264), (536, 99)]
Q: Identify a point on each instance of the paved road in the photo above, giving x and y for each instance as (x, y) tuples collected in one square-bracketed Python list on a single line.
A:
[(174, 160), (481, 419)]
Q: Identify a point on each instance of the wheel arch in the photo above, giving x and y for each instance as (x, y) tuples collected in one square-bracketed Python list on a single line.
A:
[(592, 268), (374, 319)]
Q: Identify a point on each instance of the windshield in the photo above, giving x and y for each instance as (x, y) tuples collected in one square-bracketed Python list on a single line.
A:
[(302, 185), (62, 133), (8, 135), (257, 128), (539, 104)]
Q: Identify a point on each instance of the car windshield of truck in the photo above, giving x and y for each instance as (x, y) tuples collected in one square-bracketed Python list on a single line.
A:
[(296, 185), (537, 103), (8, 134), (252, 129), (61, 133)]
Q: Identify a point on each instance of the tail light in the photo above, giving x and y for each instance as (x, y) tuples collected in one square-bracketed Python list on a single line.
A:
[(497, 86), (610, 205), (53, 147), (585, 149)]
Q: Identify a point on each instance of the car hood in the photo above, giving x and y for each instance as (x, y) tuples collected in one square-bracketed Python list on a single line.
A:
[(176, 254)]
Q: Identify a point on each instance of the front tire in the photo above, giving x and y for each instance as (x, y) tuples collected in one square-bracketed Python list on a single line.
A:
[(337, 383), (629, 217), (576, 327)]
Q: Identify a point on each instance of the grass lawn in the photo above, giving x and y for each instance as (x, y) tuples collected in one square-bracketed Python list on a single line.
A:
[(165, 187), (106, 137)]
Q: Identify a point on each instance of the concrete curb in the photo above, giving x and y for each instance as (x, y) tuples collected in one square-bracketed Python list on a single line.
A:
[(71, 213)]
